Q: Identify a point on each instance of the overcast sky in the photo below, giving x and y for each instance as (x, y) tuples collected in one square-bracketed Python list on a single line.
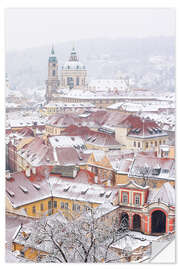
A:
[(27, 28)]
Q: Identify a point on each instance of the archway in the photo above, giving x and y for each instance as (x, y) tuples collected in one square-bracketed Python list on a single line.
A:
[(124, 221), (136, 222), (158, 222)]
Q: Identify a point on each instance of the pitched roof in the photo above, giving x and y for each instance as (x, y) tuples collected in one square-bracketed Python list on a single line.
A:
[(148, 164), (21, 191), (91, 136), (166, 194)]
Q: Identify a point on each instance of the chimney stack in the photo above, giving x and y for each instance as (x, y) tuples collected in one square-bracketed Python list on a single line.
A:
[(96, 179), (34, 170), (28, 171), (8, 174)]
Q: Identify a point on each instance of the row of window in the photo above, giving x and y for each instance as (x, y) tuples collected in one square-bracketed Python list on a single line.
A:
[(138, 144), (75, 207), (70, 81), (137, 198)]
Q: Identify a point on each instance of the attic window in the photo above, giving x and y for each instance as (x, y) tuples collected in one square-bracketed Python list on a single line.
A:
[(137, 130), (84, 191), (150, 130), (36, 186), (67, 188), (165, 171), (108, 194), (102, 194), (23, 189), (156, 171), (11, 193)]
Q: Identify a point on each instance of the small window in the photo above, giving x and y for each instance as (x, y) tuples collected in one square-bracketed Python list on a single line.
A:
[(55, 204), (137, 199), (160, 142), (154, 185), (147, 145), (125, 197), (42, 207), (155, 143), (54, 65), (77, 81), (34, 209), (66, 205), (62, 205), (78, 208), (139, 145), (54, 73), (74, 207)]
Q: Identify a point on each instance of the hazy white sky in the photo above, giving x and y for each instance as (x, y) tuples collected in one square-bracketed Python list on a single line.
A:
[(26, 28)]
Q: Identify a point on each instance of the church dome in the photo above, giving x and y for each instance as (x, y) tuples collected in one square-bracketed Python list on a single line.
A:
[(73, 63)]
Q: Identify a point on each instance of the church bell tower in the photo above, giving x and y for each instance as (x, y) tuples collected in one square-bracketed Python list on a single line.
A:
[(52, 83)]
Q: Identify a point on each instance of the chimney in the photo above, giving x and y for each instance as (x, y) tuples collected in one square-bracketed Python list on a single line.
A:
[(34, 170), (74, 172), (96, 179), (8, 175), (28, 171)]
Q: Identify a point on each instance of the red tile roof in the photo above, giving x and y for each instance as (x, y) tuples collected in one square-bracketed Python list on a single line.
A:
[(69, 155), (91, 136)]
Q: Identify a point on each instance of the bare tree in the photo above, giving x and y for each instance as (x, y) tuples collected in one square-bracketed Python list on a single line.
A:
[(85, 239)]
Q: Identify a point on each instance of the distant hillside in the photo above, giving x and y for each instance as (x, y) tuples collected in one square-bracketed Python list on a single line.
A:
[(149, 62)]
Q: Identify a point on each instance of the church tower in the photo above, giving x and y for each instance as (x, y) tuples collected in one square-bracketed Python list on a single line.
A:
[(74, 73), (52, 83)]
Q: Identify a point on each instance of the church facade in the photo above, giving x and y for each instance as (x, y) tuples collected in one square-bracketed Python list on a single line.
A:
[(73, 75)]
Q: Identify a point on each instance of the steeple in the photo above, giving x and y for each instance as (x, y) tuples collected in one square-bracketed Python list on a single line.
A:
[(52, 50), (52, 57), (52, 82)]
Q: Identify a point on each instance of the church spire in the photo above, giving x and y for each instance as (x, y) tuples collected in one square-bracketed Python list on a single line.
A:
[(52, 57), (52, 50)]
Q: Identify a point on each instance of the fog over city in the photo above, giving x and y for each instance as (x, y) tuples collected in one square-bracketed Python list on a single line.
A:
[(27, 28), (90, 135)]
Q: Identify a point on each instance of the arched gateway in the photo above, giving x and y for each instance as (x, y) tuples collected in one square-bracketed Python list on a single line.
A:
[(124, 221), (136, 222), (158, 222)]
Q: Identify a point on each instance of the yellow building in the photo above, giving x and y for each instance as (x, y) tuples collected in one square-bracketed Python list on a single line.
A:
[(139, 134), (36, 198)]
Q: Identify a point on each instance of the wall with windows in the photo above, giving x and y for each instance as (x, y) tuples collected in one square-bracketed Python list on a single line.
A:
[(128, 197), (69, 208)]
